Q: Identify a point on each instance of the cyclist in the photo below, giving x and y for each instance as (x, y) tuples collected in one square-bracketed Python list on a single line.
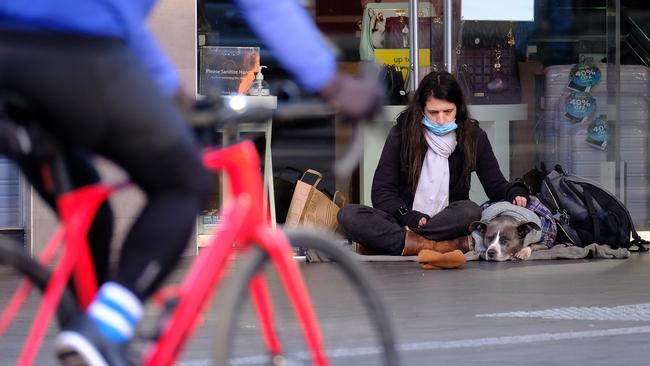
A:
[(96, 79)]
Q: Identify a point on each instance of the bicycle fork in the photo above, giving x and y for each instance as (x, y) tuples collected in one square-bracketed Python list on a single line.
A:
[(275, 243)]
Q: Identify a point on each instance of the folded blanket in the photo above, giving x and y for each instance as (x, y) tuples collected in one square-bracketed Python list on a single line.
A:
[(313, 256), (563, 251), (384, 258), (558, 251)]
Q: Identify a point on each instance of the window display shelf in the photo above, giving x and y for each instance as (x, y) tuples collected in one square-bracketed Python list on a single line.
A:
[(207, 222)]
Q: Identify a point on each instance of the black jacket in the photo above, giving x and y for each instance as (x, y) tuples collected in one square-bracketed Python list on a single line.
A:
[(390, 188)]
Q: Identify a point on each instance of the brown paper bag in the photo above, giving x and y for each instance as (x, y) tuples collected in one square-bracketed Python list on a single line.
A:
[(311, 207)]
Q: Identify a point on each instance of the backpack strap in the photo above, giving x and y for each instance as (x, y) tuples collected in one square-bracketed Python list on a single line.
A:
[(640, 243), (589, 201)]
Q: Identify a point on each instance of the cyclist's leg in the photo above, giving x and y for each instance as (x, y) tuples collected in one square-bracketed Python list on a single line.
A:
[(94, 94), (82, 172), (150, 140)]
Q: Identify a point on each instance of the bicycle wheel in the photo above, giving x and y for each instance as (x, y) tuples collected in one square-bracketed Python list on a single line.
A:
[(350, 312), (17, 265)]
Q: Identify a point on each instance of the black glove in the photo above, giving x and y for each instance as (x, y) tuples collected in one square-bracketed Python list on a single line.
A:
[(354, 98), (517, 188), (410, 218), (199, 112)]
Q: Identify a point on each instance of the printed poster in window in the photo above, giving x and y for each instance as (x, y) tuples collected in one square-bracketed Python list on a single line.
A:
[(227, 70)]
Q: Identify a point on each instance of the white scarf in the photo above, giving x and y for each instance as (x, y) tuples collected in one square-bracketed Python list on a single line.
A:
[(432, 193)]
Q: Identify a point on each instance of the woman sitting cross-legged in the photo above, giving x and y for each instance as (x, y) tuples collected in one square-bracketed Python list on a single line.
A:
[(420, 191)]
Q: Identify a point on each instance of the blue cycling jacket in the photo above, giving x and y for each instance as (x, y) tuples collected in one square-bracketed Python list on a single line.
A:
[(288, 31), (282, 24)]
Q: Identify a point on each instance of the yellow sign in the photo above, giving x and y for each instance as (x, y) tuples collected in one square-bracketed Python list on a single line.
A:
[(400, 56)]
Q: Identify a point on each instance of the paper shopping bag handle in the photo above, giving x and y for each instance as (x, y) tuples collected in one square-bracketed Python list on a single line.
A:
[(338, 195), (318, 175)]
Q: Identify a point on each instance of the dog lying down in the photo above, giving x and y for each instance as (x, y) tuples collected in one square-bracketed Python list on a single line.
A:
[(509, 232), (504, 238)]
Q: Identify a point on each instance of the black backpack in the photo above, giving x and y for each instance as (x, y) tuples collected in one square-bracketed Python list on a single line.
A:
[(586, 213)]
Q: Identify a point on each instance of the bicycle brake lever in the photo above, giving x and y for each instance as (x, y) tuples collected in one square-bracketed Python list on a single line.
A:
[(346, 164)]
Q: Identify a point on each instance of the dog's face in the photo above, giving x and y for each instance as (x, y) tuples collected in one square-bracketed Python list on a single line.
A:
[(504, 237)]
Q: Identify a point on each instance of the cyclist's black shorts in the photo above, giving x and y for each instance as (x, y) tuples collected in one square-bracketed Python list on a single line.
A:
[(92, 94)]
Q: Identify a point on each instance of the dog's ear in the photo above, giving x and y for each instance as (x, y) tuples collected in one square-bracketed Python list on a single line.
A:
[(478, 225), (525, 228)]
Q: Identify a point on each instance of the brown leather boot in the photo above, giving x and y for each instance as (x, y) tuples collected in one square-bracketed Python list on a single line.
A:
[(430, 259), (414, 243)]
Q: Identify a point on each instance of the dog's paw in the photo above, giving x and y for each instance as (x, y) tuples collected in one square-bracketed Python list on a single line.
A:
[(523, 254), (536, 247)]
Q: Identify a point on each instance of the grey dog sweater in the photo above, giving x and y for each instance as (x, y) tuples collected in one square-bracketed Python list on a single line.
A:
[(521, 214)]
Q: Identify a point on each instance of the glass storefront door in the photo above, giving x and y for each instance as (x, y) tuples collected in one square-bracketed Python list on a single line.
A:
[(569, 87)]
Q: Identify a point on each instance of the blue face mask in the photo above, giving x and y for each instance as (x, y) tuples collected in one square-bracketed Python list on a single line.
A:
[(439, 130)]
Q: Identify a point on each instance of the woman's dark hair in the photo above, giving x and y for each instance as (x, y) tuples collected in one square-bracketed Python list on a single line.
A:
[(440, 85)]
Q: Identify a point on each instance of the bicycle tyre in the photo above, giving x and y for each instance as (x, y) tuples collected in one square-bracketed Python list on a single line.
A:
[(12, 255), (360, 280)]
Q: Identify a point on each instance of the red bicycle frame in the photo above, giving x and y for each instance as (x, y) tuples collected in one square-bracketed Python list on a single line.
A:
[(243, 222)]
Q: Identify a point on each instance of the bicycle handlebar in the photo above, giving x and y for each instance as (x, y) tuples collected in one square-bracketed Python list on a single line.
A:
[(228, 112)]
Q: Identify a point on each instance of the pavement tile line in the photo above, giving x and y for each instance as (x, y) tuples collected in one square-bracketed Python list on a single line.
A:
[(462, 343), (526, 338), (631, 312)]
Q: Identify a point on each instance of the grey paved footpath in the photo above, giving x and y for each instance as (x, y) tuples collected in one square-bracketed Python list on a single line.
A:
[(586, 312)]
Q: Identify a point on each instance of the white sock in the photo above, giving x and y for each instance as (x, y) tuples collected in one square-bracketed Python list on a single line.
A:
[(117, 311)]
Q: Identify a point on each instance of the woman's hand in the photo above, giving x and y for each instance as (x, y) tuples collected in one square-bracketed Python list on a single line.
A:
[(413, 219), (520, 201)]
